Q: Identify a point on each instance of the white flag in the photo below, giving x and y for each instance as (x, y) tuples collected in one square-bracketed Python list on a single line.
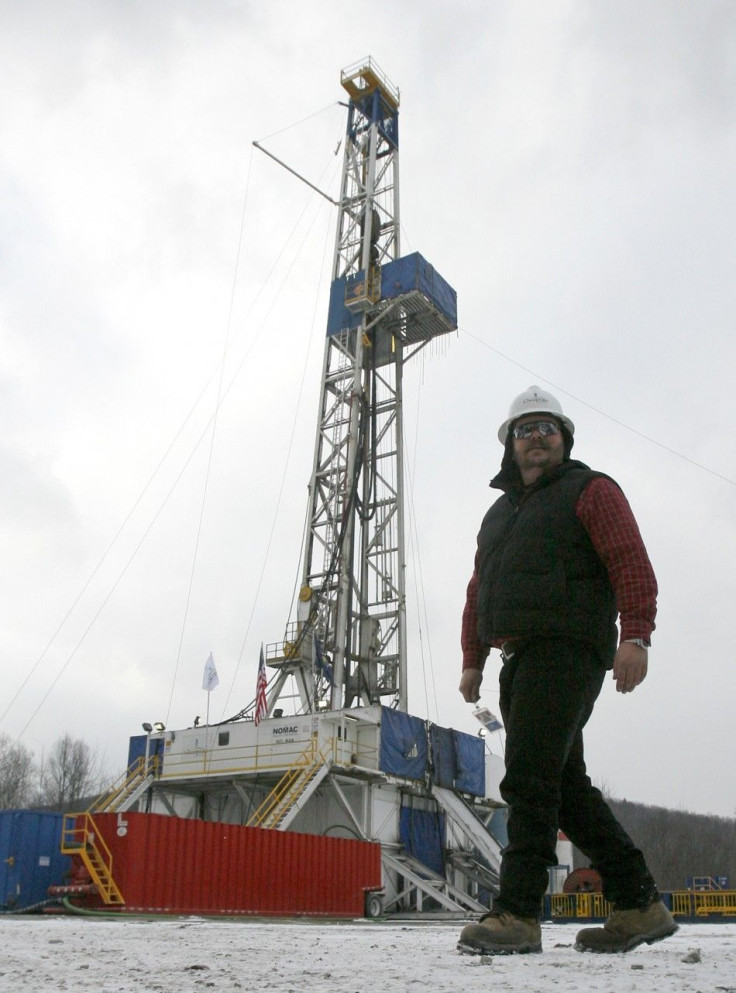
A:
[(210, 679)]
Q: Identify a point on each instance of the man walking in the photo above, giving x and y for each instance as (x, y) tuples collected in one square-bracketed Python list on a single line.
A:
[(559, 557)]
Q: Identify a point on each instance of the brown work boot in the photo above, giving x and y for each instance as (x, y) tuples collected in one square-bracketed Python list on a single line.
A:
[(625, 929), (500, 933)]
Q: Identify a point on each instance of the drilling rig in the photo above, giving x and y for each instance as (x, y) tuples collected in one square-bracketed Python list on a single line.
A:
[(348, 645), (334, 750)]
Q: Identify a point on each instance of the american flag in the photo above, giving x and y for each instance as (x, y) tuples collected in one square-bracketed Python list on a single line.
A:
[(261, 682)]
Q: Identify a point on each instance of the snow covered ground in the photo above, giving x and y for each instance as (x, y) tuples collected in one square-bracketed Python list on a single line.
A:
[(43, 954)]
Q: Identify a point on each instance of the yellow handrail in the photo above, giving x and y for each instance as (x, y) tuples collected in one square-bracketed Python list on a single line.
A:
[(309, 761), (124, 784), (81, 836)]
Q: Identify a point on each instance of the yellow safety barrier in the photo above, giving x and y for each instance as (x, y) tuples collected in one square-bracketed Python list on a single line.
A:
[(715, 902), (694, 904), (575, 905)]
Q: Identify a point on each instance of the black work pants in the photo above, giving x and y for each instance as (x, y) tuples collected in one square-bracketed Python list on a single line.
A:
[(548, 690)]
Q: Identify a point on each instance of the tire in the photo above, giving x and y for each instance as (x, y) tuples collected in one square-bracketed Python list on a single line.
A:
[(373, 905)]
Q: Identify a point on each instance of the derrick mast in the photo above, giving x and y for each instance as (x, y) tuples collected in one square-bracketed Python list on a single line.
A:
[(347, 647)]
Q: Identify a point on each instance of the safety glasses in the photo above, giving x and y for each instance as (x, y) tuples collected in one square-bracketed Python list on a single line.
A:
[(543, 427)]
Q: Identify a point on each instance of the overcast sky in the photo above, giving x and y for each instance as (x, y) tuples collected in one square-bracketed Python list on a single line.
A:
[(567, 166)]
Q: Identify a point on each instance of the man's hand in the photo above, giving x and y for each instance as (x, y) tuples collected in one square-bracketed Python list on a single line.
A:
[(629, 666), (470, 685)]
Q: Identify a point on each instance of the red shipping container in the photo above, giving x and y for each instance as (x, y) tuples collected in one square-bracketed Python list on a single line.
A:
[(172, 865)]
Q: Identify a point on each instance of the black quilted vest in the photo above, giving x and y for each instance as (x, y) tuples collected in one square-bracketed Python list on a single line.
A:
[(538, 572)]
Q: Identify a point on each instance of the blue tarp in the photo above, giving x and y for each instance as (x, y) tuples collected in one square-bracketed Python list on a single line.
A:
[(403, 744), (443, 756), (458, 759), (470, 758), (422, 833)]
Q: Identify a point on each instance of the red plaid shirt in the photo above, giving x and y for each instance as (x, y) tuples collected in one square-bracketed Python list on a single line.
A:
[(606, 515)]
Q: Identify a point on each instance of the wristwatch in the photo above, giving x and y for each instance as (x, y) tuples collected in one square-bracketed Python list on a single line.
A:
[(637, 641)]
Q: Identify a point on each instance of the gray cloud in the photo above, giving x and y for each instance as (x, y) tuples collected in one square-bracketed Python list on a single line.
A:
[(565, 166)]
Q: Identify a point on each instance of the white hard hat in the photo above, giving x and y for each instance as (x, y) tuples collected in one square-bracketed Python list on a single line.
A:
[(535, 400)]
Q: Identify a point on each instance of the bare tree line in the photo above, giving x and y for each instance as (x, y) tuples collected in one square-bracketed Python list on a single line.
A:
[(678, 845), (69, 772)]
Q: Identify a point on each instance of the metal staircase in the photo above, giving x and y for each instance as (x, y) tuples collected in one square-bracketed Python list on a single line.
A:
[(474, 870), (421, 883), (127, 789), (462, 814), (293, 790), (81, 838)]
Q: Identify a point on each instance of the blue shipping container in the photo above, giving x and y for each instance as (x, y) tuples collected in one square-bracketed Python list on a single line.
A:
[(30, 857)]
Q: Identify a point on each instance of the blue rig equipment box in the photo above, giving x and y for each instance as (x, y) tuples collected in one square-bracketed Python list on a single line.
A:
[(30, 857), (417, 302)]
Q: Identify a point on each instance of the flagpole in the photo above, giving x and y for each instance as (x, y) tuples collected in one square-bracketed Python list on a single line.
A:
[(210, 681)]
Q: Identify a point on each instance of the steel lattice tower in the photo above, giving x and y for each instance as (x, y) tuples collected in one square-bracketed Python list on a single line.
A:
[(348, 645)]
